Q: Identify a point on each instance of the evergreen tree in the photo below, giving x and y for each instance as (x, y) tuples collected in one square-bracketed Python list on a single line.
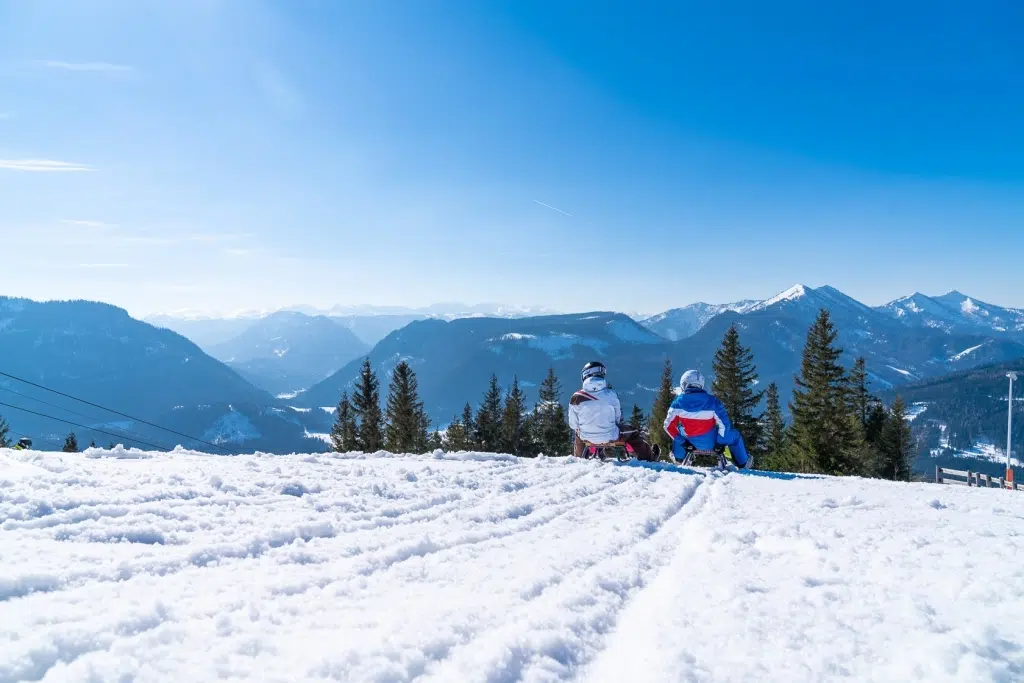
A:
[(424, 437), (405, 430), (897, 447), (5, 430), (860, 397), (469, 427), (823, 438), (513, 439), (875, 425), (436, 442), (92, 444), (637, 419), (488, 419), (550, 427), (366, 406), (71, 443), (656, 426), (735, 378), (456, 438), (345, 433), (773, 430)]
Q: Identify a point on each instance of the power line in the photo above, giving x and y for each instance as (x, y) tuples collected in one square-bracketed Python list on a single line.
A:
[(126, 432), (116, 412), (75, 424)]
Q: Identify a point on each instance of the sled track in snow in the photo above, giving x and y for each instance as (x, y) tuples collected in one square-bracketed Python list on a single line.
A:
[(170, 567), (258, 563)]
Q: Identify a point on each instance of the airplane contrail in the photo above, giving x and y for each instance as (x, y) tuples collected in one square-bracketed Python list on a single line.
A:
[(553, 208)]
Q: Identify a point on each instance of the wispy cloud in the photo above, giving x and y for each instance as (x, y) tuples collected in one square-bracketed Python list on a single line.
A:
[(105, 265), (88, 224), (42, 165), (553, 208), (218, 237), (5, 115), (98, 67), (237, 252)]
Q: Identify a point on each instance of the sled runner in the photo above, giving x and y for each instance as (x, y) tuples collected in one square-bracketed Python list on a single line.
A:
[(720, 455), (617, 450)]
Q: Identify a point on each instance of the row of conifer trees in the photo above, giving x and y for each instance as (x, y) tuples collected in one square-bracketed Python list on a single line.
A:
[(837, 426)]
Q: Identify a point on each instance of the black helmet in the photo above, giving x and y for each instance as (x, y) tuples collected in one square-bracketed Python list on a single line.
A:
[(594, 368)]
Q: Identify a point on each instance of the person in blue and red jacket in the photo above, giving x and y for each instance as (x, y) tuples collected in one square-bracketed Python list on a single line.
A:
[(698, 418)]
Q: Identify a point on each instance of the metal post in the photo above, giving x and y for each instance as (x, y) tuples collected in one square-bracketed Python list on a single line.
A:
[(1009, 428)]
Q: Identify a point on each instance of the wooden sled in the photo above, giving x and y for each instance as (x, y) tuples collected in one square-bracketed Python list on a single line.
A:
[(612, 450)]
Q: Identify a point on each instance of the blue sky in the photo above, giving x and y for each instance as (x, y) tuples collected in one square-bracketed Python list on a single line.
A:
[(223, 155)]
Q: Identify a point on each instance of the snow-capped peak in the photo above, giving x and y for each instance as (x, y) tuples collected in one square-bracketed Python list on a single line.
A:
[(792, 294)]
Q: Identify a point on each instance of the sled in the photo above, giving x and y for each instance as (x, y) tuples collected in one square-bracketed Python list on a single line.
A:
[(612, 450), (722, 455)]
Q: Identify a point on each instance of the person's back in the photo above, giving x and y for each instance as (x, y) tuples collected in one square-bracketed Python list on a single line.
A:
[(595, 416), (595, 411), (698, 418)]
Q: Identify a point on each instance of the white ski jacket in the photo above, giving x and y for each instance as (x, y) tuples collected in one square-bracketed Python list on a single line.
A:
[(594, 412)]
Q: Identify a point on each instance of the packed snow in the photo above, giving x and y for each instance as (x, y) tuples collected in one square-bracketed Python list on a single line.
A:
[(134, 566)]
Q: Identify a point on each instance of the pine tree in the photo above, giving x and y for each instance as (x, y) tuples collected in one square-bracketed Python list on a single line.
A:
[(469, 427), (5, 430), (513, 435), (735, 378), (637, 419), (823, 438), (550, 428), (860, 397), (405, 431), (773, 430), (71, 443), (424, 437), (875, 425), (366, 406), (656, 425), (897, 447), (345, 433), (456, 438), (436, 442), (488, 419), (92, 444)]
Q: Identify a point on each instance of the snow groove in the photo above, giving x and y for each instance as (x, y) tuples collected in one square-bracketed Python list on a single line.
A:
[(472, 567)]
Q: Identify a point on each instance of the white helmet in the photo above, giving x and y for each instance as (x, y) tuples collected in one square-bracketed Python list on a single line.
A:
[(691, 378)]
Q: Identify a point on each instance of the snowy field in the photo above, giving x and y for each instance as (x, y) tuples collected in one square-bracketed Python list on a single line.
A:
[(187, 567)]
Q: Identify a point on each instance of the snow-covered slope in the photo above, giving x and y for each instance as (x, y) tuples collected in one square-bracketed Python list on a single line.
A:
[(955, 311), (684, 322), (471, 567)]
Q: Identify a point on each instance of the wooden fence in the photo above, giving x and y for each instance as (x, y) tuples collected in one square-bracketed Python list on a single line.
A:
[(944, 475)]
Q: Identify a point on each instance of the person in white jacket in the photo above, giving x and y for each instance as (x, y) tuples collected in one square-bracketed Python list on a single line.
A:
[(595, 416)]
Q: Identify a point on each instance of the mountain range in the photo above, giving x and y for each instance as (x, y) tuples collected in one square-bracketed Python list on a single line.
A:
[(287, 352), (99, 353), (455, 358), (225, 391)]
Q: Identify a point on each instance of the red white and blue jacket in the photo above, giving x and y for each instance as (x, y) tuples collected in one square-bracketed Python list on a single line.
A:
[(700, 418)]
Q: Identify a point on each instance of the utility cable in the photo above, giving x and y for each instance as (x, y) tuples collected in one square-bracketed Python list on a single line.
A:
[(75, 424), (117, 412), (126, 432)]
